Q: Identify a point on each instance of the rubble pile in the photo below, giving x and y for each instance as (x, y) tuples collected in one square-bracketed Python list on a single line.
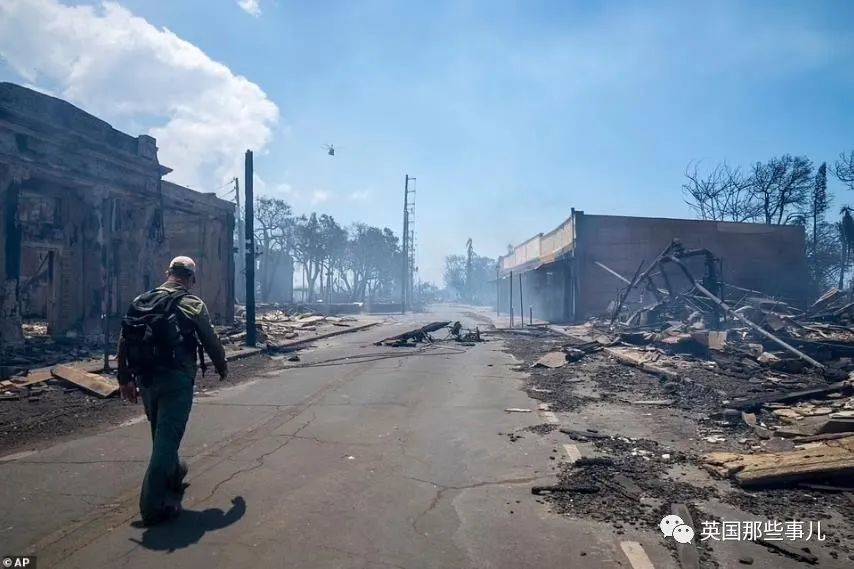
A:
[(276, 325), (655, 425), (40, 350), (36, 366), (782, 400), (705, 394)]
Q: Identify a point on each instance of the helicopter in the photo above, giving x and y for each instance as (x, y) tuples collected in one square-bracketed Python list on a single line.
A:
[(330, 149)]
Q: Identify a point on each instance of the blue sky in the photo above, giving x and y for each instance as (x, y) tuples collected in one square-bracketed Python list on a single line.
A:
[(508, 113)]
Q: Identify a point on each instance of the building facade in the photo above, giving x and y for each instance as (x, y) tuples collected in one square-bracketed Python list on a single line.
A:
[(568, 275), (87, 221)]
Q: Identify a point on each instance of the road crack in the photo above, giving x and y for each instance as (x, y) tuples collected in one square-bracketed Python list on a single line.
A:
[(259, 461), (442, 490)]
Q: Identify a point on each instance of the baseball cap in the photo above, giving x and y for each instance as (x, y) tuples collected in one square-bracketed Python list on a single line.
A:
[(182, 262)]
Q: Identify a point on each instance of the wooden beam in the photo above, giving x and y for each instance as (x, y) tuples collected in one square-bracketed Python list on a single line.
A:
[(99, 385), (831, 459), (842, 386)]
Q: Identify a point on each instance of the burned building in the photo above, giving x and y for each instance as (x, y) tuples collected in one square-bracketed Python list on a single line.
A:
[(577, 270), (87, 221)]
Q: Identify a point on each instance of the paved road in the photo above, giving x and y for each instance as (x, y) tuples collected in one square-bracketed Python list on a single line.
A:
[(385, 460)]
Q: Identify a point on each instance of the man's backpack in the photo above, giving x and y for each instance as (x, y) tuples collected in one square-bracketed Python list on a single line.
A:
[(152, 330)]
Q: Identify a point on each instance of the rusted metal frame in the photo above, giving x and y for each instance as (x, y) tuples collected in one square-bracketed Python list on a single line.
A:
[(721, 304), (650, 286), (666, 280), (711, 278), (644, 277), (626, 293)]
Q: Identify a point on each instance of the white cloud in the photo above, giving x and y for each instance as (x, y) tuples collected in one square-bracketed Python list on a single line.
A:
[(360, 196), (319, 196), (251, 7), (128, 72)]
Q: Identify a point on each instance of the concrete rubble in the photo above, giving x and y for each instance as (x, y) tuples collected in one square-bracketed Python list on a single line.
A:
[(788, 376)]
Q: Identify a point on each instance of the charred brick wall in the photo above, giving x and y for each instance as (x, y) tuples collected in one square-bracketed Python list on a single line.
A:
[(767, 258), (87, 222)]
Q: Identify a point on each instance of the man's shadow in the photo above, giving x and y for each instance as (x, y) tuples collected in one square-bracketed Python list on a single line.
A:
[(190, 526)]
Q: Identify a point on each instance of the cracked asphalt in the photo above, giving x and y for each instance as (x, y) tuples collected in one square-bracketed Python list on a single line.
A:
[(380, 460)]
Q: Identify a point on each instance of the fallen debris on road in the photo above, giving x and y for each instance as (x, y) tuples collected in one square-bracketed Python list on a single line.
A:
[(542, 490), (833, 459), (551, 360), (413, 337)]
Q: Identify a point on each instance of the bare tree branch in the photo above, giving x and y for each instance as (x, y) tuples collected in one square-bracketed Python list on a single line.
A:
[(780, 188), (843, 169), (720, 195)]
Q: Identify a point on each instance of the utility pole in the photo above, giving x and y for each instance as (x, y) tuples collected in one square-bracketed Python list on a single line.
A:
[(497, 291), (241, 243), (511, 299), (469, 253), (521, 305), (250, 251), (404, 282)]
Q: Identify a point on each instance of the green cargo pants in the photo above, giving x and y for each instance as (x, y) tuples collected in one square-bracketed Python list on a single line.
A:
[(167, 403)]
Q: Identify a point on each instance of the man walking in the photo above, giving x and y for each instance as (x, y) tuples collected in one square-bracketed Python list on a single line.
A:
[(164, 331)]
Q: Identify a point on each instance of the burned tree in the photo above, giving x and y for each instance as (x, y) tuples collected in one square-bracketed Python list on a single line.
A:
[(274, 225), (368, 268), (844, 169), (819, 202), (822, 237), (470, 275), (780, 188), (845, 229), (776, 192), (719, 195), (317, 239)]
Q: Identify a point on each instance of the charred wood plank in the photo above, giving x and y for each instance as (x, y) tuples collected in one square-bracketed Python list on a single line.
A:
[(99, 385), (748, 404)]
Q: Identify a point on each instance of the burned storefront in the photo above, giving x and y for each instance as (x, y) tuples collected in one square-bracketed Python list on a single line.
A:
[(580, 269), (87, 222)]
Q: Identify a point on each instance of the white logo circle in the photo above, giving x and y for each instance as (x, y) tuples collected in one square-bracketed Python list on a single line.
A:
[(7, 562), (668, 523), (683, 533)]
